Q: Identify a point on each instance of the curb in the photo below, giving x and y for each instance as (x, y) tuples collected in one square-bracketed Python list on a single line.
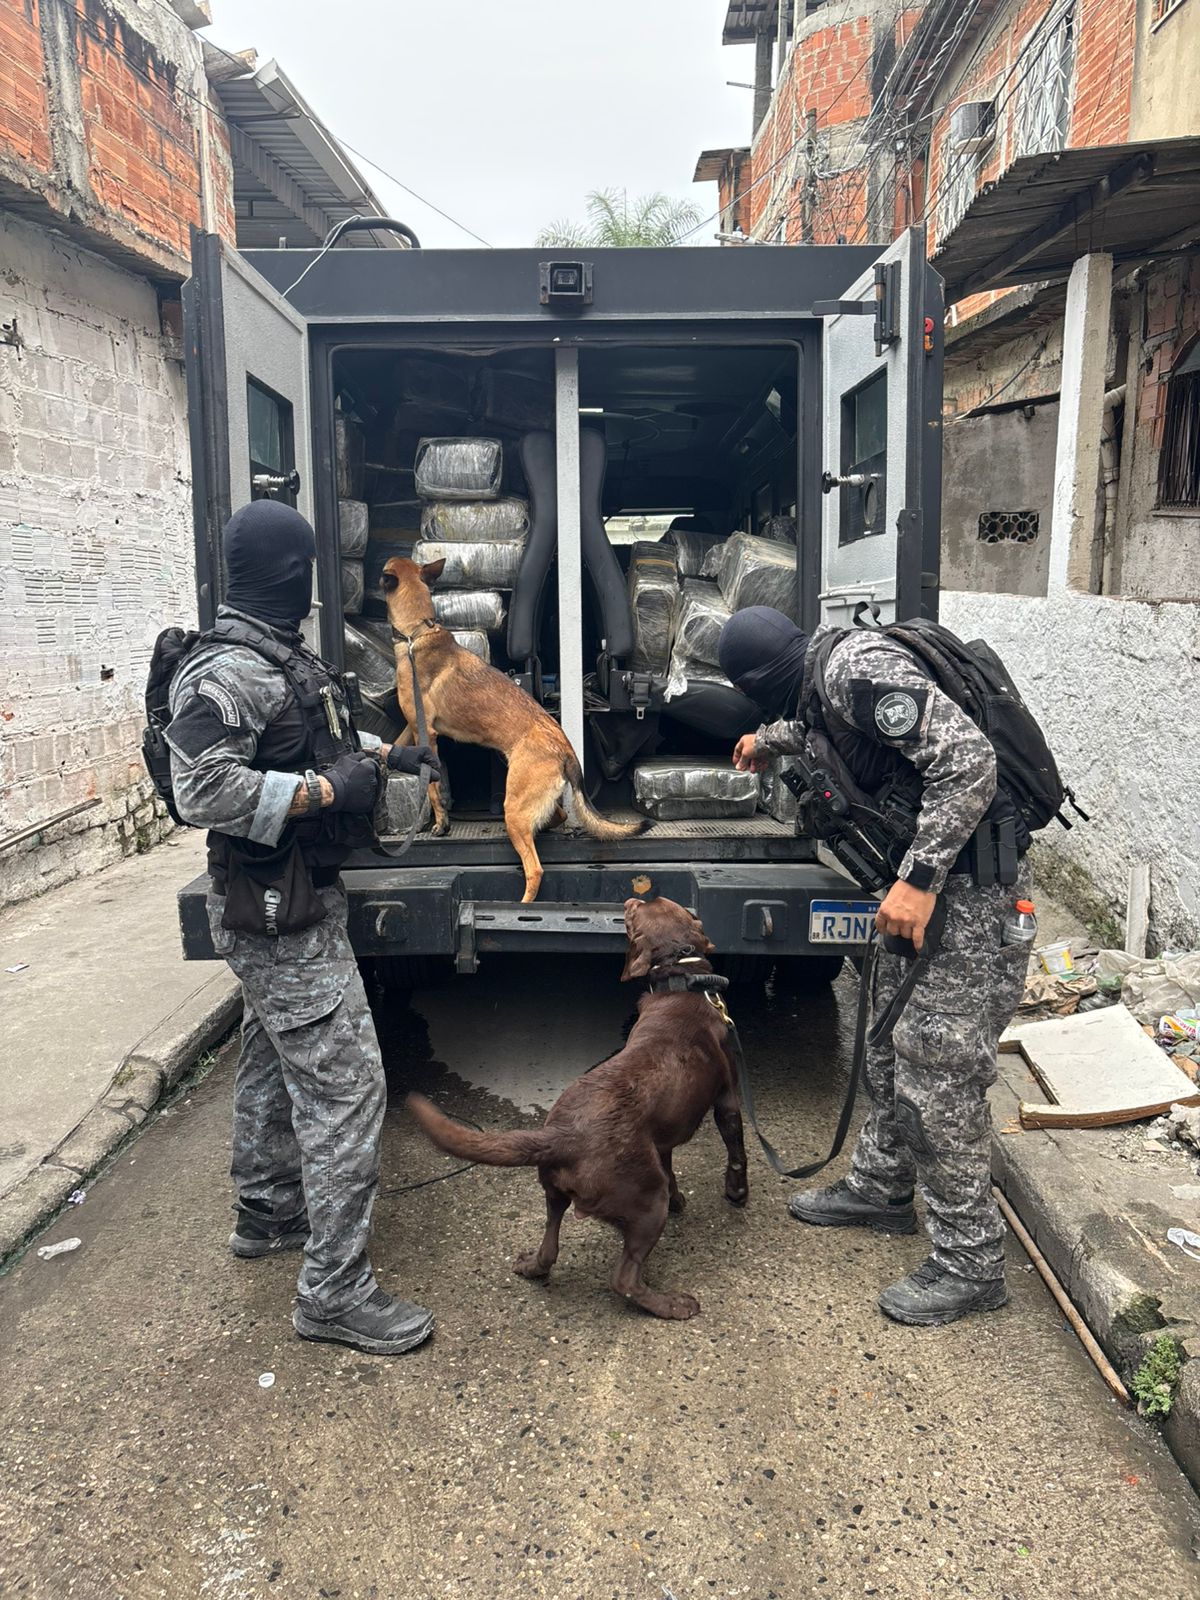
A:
[(149, 1071), (1100, 1225)]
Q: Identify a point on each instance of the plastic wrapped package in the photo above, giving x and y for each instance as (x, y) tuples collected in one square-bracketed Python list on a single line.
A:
[(701, 616), (475, 521), (353, 588), (682, 788), (473, 566), (710, 566), (350, 449), (654, 598), (691, 548), (459, 469), (353, 527), (474, 640), (469, 610), (368, 655), (399, 801), (757, 572), (777, 799), (779, 530)]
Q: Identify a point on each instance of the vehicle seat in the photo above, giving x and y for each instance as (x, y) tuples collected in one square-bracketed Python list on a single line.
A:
[(599, 557)]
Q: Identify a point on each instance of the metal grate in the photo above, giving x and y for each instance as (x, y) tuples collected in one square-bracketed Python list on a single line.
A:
[(1043, 110), (1179, 458), (1008, 527)]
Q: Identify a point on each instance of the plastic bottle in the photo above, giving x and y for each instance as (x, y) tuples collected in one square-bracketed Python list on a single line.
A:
[(1020, 925)]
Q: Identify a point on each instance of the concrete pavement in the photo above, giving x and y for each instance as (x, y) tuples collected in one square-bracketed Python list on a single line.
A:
[(101, 1013), (549, 1442)]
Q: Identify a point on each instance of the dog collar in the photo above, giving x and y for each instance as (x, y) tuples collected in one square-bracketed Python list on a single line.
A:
[(411, 638)]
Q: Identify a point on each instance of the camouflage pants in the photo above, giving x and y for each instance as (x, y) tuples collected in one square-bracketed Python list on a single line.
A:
[(309, 1098), (929, 1115)]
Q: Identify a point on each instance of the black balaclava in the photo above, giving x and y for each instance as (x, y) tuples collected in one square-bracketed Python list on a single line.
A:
[(762, 653), (269, 553)]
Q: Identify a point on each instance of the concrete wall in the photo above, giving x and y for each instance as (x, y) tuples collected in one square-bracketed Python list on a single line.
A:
[(1166, 85), (95, 548), (1001, 461), (1115, 684)]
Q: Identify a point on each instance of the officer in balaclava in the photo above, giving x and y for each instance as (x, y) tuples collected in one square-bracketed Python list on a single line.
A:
[(899, 734), (265, 755)]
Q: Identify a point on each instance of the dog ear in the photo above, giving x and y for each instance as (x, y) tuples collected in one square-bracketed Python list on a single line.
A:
[(432, 571), (639, 959), (389, 582), (704, 945)]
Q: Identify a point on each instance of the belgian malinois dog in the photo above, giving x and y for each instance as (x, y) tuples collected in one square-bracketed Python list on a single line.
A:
[(469, 701)]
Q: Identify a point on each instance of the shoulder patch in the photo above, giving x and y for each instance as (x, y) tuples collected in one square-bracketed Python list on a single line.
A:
[(221, 698), (899, 713)]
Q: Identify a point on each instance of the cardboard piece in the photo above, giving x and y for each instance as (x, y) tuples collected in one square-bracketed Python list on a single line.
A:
[(1097, 1068)]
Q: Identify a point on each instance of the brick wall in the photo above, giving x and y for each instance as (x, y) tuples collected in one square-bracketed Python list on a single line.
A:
[(101, 110), (95, 549)]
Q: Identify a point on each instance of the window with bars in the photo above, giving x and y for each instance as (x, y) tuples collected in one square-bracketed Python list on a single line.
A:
[(959, 181), (1043, 107), (1179, 457), (1163, 9)]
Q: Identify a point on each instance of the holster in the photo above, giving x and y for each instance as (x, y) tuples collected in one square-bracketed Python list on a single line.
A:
[(269, 892)]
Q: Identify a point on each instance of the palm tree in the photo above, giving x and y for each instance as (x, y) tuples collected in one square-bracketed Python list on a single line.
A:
[(651, 219)]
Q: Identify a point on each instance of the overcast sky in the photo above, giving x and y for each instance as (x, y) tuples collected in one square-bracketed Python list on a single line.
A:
[(506, 112)]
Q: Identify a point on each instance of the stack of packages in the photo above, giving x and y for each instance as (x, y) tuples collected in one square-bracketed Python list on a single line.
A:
[(476, 531), (719, 577)]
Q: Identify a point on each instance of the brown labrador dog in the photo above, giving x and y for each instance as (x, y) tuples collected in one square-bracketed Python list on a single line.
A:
[(466, 699), (607, 1142)]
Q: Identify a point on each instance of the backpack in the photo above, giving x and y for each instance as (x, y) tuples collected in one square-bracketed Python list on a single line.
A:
[(170, 648), (975, 678)]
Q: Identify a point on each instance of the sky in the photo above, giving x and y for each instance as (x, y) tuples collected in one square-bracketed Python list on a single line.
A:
[(506, 112)]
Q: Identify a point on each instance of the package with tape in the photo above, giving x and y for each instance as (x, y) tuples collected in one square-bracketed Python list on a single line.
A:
[(687, 788)]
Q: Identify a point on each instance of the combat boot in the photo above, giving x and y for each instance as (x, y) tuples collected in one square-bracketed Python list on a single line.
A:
[(254, 1237), (931, 1295), (839, 1207), (381, 1326)]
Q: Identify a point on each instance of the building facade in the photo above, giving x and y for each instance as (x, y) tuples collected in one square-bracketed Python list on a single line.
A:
[(115, 141)]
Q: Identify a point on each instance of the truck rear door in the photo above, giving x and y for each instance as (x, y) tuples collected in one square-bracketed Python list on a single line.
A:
[(881, 433), (248, 407)]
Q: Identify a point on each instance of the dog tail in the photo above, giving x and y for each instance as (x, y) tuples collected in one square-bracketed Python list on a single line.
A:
[(516, 1149), (600, 827)]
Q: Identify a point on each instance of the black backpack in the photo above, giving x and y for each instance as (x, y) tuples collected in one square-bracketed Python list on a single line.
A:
[(170, 648), (975, 678)]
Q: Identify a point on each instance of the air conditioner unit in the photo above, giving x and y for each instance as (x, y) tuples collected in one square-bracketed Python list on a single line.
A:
[(972, 124)]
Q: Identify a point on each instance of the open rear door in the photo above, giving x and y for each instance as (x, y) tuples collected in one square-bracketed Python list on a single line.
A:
[(881, 427), (248, 408)]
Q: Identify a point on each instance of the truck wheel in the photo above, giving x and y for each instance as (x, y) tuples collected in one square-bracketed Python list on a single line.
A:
[(806, 974), (744, 971)]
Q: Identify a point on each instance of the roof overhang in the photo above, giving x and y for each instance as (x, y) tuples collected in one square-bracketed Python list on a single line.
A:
[(711, 165), (747, 19), (1133, 201), (291, 178)]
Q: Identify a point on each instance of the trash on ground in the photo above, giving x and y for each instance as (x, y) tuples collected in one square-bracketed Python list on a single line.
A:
[(1047, 996), (62, 1248), (1056, 959), (1183, 1122), (21, 966), (1166, 985), (265, 1380), (1187, 1241), (1096, 1069), (77, 1197)]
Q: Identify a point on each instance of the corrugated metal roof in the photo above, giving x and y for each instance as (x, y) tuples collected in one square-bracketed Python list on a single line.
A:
[(711, 163), (746, 19), (1047, 210), (289, 150)]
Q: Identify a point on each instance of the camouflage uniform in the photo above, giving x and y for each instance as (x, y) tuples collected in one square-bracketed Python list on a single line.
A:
[(928, 1084), (309, 1096)]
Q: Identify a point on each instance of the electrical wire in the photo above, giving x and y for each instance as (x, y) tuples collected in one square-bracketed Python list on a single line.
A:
[(984, 405)]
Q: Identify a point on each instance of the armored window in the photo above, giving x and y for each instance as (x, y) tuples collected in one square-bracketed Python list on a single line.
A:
[(1043, 105), (1179, 457)]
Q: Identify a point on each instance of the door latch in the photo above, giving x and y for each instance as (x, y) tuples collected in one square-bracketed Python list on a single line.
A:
[(267, 484)]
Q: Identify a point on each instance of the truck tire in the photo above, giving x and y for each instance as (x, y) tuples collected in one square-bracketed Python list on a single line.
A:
[(806, 974)]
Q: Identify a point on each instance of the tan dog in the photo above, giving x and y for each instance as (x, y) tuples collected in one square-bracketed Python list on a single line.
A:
[(467, 700), (607, 1143)]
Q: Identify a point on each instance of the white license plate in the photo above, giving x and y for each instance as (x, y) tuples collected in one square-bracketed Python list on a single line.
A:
[(841, 921)]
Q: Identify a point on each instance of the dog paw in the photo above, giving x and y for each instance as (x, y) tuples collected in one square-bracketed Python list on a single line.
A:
[(527, 1265), (676, 1204), (680, 1307), (441, 829), (737, 1192)]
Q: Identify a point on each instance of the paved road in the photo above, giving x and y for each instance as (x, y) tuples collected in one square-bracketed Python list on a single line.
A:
[(551, 1442)]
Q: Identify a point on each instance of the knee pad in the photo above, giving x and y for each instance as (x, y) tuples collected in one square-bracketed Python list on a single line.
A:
[(912, 1130)]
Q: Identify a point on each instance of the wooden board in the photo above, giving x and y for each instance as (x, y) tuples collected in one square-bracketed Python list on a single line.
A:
[(1097, 1068), (1137, 914)]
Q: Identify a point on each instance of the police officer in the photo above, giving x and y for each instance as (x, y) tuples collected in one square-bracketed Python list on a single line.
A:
[(898, 732), (264, 754)]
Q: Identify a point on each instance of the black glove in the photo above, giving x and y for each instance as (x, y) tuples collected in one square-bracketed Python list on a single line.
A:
[(410, 758), (355, 778)]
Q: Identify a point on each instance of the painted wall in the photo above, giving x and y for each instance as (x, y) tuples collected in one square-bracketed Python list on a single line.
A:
[(1002, 461), (1115, 684), (95, 550), (1166, 86)]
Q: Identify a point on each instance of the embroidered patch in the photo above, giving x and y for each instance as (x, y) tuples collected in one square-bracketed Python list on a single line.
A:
[(222, 699), (897, 713)]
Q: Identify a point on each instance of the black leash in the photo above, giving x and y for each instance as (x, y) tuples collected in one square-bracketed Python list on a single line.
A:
[(394, 852)]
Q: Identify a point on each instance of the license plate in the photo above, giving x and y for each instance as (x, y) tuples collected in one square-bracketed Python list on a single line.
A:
[(841, 921)]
